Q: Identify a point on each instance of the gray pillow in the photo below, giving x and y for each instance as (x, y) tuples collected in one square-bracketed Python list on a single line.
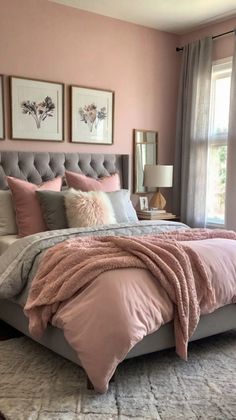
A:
[(7, 214), (53, 208), (122, 206)]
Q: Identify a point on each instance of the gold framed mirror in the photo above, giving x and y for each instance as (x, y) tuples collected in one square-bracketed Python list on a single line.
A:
[(144, 153)]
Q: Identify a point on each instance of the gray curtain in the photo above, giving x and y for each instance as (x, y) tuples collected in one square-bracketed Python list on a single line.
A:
[(230, 204), (190, 168)]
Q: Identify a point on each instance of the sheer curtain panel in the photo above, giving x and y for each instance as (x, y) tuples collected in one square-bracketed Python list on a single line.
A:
[(230, 204), (190, 169)]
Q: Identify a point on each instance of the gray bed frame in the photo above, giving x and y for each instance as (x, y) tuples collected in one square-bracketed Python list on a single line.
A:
[(37, 167)]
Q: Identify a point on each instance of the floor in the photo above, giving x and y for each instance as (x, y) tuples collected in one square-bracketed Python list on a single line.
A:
[(36, 384)]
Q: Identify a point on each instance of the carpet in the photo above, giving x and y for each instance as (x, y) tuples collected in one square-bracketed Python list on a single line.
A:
[(36, 384)]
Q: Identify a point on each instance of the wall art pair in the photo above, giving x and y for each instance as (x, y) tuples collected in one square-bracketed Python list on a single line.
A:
[(37, 112)]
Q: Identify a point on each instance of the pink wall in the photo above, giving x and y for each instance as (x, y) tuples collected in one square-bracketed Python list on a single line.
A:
[(223, 46), (40, 39)]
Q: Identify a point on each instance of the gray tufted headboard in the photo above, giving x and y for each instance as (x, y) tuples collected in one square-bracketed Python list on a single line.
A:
[(37, 167)]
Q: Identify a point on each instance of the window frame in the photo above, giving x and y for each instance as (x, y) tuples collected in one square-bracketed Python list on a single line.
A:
[(220, 69)]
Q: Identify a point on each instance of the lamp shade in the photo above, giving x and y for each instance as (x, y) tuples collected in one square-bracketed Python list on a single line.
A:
[(158, 176)]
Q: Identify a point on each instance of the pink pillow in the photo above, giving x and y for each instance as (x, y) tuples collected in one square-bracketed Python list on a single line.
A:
[(28, 213), (85, 183)]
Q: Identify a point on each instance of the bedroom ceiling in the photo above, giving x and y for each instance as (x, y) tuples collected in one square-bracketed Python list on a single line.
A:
[(177, 16)]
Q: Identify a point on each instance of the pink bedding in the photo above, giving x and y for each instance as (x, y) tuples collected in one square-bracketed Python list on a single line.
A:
[(107, 293)]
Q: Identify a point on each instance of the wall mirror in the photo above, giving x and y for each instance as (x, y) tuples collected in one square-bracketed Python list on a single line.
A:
[(145, 152)]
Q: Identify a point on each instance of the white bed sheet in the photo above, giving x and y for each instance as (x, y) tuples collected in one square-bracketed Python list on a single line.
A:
[(6, 241)]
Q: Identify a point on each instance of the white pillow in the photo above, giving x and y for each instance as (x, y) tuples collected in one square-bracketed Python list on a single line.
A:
[(88, 209), (7, 214), (122, 206)]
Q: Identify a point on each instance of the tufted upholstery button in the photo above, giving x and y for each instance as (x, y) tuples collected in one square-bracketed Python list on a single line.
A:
[(39, 166)]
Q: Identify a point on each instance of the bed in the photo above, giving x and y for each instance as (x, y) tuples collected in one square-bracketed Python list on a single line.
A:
[(38, 167)]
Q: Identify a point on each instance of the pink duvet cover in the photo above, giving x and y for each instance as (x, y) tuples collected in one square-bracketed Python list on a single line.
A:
[(104, 310)]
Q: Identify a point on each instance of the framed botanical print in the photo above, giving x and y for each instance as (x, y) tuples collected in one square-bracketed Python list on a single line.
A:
[(91, 115), (37, 109), (2, 131)]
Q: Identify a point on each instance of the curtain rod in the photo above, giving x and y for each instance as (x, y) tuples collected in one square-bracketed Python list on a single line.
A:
[(214, 37)]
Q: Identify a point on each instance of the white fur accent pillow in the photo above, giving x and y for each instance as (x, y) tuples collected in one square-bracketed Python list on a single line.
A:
[(88, 209)]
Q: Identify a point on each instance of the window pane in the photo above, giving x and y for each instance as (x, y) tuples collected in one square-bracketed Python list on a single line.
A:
[(220, 109), (218, 135), (216, 184)]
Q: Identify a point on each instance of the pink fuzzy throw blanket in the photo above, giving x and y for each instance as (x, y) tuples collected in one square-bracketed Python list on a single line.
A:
[(69, 267)]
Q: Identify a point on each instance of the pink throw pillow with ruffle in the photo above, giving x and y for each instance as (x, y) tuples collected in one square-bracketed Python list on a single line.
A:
[(86, 183), (29, 218)]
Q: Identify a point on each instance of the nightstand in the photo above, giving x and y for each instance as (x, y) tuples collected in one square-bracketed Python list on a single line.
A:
[(155, 215)]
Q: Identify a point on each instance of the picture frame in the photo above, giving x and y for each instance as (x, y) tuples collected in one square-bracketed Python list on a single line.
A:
[(143, 203), (2, 125), (37, 109), (92, 115)]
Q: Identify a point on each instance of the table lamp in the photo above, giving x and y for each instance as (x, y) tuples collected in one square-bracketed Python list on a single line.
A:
[(158, 176)]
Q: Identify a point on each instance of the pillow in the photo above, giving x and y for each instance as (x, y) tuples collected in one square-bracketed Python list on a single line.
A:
[(53, 208), (122, 206), (54, 214), (7, 214), (28, 213), (85, 183), (88, 209)]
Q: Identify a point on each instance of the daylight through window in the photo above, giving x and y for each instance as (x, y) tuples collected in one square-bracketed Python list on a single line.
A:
[(218, 135)]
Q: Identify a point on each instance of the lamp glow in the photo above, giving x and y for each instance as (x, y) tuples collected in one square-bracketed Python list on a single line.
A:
[(158, 176)]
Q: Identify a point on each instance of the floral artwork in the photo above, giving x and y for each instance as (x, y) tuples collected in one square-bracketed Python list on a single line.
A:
[(39, 111), (92, 115)]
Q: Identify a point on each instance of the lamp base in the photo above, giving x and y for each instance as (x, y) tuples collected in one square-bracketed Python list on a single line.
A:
[(157, 201)]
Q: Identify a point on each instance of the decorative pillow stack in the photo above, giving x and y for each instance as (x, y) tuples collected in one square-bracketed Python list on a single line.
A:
[(29, 218), (120, 199), (27, 208)]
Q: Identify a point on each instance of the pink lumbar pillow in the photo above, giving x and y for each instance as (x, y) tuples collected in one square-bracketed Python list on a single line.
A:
[(86, 183), (29, 218)]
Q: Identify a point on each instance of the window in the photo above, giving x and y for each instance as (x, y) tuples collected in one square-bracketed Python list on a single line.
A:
[(217, 149)]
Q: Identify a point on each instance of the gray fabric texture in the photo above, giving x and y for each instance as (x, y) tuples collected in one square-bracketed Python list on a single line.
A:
[(17, 262), (7, 214), (122, 206), (230, 204), (53, 208), (6, 241), (37, 167), (190, 168)]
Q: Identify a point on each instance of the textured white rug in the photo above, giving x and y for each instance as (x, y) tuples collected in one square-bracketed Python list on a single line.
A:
[(36, 384)]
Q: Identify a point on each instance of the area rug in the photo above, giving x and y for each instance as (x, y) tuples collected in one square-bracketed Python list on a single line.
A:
[(36, 384)]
